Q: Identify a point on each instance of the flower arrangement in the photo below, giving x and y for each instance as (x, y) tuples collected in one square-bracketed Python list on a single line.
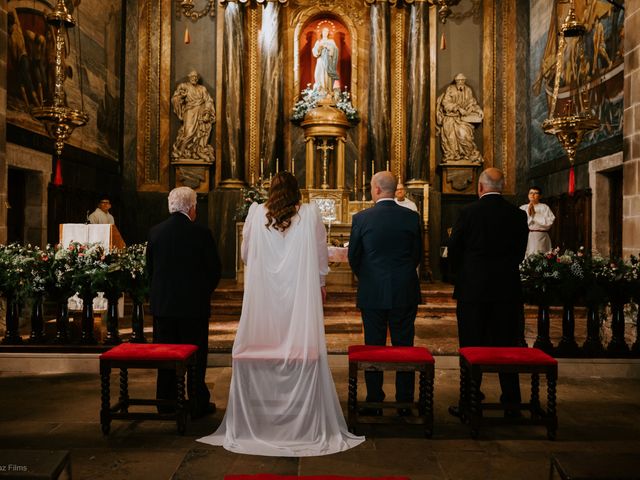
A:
[(16, 262), (134, 263), (343, 102), (58, 272), (310, 96), (252, 194), (90, 270), (554, 278)]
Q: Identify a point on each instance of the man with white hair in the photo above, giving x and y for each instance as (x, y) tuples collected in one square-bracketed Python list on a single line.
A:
[(486, 247), (184, 269)]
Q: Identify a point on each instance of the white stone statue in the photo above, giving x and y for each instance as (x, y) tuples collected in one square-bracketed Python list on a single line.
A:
[(456, 113), (195, 107), (326, 72)]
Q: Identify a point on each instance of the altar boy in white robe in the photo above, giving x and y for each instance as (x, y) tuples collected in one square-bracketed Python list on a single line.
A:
[(540, 219)]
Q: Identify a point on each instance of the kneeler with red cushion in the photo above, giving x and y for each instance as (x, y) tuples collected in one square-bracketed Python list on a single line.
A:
[(381, 358), (474, 361), (180, 358)]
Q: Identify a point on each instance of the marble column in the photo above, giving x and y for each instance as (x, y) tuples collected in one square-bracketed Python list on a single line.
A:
[(418, 92), (231, 120), (271, 89), (379, 131)]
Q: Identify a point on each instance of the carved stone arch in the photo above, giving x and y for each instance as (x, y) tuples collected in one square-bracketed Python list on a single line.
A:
[(301, 18)]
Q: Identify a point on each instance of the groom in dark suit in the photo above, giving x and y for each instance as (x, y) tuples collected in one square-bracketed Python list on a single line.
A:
[(487, 244), (184, 269), (385, 248)]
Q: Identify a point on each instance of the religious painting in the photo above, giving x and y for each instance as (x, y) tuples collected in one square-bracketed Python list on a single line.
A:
[(325, 54), (596, 63), (31, 68)]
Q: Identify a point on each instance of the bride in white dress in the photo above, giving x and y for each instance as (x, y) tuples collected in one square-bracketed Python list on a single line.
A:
[(282, 400)]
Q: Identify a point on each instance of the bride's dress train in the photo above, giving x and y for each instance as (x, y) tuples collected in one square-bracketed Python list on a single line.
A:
[(282, 399)]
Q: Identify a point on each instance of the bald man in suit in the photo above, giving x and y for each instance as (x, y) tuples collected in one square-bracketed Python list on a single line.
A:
[(385, 247)]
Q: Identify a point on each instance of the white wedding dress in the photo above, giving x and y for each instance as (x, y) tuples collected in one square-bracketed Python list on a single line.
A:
[(282, 400)]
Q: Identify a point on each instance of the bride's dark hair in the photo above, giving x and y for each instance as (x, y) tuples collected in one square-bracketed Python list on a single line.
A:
[(284, 197)]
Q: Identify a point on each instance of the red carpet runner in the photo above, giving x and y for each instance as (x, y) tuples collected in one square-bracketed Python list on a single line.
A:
[(266, 476)]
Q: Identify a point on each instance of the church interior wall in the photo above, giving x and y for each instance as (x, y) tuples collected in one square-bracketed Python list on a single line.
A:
[(522, 108), (92, 78), (35, 171), (631, 173), (3, 121), (600, 184), (546, 154)]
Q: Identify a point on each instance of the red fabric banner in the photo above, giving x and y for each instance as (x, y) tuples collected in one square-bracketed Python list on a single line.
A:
[(57, 178), (572, 181), (267, 476)]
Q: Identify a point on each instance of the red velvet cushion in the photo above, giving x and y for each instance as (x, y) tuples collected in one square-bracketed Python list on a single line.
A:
[(375, 353), (266, 476), (507, 355), (149, 351)]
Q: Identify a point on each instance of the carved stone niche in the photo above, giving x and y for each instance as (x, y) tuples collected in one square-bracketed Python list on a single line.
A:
[(194, 174), (460, 178)]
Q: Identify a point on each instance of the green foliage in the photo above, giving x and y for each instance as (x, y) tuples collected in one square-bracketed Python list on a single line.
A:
[(550, 278), (252, 194), (309, 98), (58, 272)]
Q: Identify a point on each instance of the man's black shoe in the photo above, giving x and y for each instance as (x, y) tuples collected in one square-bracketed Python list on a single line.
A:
[(454, 410), (370, 412), (405, 412), (209, 409)]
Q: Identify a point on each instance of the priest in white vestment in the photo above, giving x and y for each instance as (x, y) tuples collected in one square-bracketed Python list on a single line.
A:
[(540, 219), (282, 399)]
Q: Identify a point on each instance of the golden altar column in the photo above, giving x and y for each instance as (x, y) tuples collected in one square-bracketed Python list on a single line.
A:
[(325, 130)]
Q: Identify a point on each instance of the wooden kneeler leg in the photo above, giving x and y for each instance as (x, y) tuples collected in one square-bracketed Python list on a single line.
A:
[(181, 407), (191, 389), (352, 402), (124, 390), (474, 401), (425, 401), (552, 419), (105, 398), (463, 402)]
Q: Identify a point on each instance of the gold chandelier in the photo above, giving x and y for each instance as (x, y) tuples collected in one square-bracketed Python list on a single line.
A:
[(572, 120), (188, 8), (58, 118), (444, 7)]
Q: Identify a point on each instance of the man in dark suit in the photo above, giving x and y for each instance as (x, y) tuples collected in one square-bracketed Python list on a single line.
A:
[(184, 268), (486, 247), (385, 248)]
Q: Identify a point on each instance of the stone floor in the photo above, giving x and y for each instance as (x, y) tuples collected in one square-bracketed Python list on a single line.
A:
[(596, 416)]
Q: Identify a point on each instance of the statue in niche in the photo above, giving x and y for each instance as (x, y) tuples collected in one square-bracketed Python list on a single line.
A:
[(195, 108), (326, 72), (456, 113)]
